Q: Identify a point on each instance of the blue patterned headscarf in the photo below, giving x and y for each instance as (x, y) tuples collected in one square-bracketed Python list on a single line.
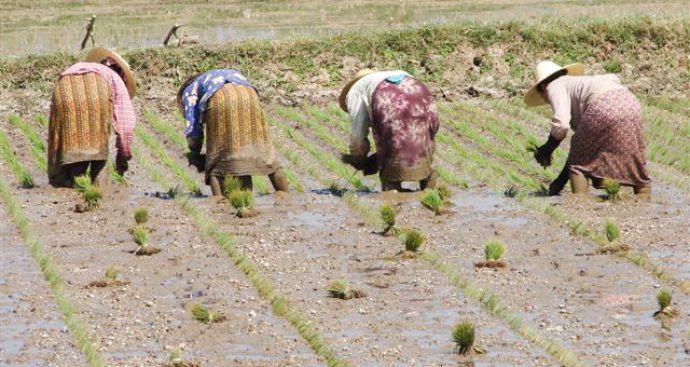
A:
[(196, 96)]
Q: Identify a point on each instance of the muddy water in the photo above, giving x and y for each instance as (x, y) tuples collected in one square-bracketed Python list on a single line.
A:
[(600, 306), (33, 332), (408, 314), (143, 322)]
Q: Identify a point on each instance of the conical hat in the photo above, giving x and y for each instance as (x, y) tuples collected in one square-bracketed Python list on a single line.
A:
[(360, 74), (99, 54), (544, 70)]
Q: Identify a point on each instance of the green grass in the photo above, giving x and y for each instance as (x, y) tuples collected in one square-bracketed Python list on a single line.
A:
[(663, 298), (112, 272), (91, 194), (51, 273), (241, 199), (612, 231), (281, 306), (141, 216), (432, 200), (612, 189), (12, 160), (140, 235), (388, 214), (412, 240)]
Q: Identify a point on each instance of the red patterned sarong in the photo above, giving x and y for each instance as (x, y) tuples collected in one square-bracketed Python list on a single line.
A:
[(609, 141), (404, 123)]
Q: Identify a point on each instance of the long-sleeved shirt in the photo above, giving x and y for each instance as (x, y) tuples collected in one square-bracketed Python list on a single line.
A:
[(569, 95), (123, 110), (195, 97), (358, 101)]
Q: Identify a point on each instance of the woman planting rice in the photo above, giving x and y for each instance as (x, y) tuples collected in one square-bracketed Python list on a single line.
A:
[(607, 120), (237, 141), (88, 98), (402, 115)]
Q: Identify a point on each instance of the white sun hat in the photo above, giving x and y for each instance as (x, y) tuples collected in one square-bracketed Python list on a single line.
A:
[(544, 70), (98, 54)]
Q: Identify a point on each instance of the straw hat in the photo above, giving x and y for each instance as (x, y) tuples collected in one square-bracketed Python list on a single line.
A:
[(99, 54), (544, 70), (360, 74)]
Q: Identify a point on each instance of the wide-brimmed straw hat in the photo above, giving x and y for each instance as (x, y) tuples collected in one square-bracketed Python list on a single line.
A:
[(360, 74), (99, 54), (543, 71)]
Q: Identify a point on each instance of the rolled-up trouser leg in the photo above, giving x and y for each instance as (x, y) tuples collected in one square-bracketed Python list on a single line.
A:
[(429, 182), (578, 182), (279, 180)]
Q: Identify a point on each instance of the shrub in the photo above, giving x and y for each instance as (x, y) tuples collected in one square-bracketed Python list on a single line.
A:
[(412, 240), (612, 231), (494, 250), (432, 200), (463, 336), (141, 216), (612, 189)]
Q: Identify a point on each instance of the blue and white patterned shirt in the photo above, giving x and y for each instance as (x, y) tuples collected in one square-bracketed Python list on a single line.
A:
[(195, 97)]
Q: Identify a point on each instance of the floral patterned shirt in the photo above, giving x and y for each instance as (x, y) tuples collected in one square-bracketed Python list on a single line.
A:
[(195, 97)]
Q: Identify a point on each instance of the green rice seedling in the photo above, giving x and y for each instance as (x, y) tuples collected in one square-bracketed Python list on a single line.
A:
[(140, 235), (202, 314), (412, 240), (230, 184), (141, 216), (342, 290), (445, 192), (463, 336), (337, 189), (91, 194), (110, 279), (612, 189), (15, 164), (532, 144), (512, 191), (664, 298), (612, 231), (433, 201), (243, 201), (175, 360), (112, 272), (493, 252), (174, 191), (388, 214)]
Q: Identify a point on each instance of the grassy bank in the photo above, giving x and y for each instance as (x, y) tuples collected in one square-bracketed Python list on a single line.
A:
[(468, 58)]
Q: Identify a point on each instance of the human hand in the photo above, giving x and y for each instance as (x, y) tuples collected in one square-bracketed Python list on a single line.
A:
[(196, 159), (121, 164)]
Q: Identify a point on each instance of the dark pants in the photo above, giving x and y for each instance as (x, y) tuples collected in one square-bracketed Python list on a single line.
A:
[(72, 170)]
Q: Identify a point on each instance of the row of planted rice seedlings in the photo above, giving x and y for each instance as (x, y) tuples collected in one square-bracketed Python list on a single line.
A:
[(12, 160), (281, 306), (462, 125), (37, 146), (320, 155), (523, 119), (577, 227), (52, 275), (488, 301), (157, 148)]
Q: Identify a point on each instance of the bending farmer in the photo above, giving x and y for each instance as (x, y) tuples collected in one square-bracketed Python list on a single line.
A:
[(88, 98), (402, 115), (607, 120), (237, 140)]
